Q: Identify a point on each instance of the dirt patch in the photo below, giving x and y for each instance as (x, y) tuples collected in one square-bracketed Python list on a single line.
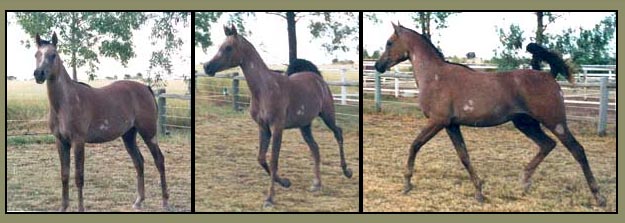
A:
[(498, 154), (34, 184), (229, 178)]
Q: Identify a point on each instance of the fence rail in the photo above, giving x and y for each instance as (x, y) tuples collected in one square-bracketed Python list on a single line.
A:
[(161, 100), (602, 104), (344, 97)]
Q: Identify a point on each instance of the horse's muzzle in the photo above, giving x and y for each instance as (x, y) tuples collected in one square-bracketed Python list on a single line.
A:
[(40, 76), (210, 69), (381, 66)]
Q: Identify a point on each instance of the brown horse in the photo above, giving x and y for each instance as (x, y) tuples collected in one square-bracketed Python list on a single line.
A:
[(80, 114), (452, 95), (280, 102)]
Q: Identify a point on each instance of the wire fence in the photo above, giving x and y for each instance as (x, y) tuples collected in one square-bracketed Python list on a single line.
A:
[(27, 114), (230, 90)]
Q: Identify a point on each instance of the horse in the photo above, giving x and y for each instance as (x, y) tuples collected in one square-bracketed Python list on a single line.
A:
[(280, 102), (451, 95), (81, 114)]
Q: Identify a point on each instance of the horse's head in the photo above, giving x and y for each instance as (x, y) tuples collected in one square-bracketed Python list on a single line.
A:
[(229, 55), (47, 57), (396, 51)]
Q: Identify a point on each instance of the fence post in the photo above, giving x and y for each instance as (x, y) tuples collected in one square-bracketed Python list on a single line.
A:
[(603, 107), (378, 93), (162, 104), (343, 87), (235, 93), (396, 87)]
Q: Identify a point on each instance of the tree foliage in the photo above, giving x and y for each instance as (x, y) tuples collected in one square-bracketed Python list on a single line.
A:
[(81, 33), (425, 20), (582, 46)]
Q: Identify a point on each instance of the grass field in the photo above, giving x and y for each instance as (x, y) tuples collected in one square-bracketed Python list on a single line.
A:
[(498, 154), (33, 167), (34, 183), (229, 178), (27, 105)]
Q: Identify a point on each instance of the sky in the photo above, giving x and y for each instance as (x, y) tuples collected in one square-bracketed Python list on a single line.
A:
[(21, 60), (475, 31), (269, 37)]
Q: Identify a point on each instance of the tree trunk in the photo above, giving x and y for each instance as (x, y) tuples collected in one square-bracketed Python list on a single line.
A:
[(290, 26), (539, 28), (73, 40)]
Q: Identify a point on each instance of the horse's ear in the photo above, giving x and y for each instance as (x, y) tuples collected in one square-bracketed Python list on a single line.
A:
[(233, 30), (55, 40), (395, 28), (226, 30), (38, 40)]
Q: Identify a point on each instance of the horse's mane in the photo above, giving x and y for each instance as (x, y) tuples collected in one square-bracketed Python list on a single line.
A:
[(85, 84), (436, 51), (302, 65)]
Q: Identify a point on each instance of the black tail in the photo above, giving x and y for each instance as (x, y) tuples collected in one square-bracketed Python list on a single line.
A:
[(301, 65), (558, 65)]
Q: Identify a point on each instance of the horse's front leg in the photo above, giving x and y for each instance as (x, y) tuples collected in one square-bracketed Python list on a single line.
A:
[(79, 158), (64, 148), (273, 167), (426, 134)]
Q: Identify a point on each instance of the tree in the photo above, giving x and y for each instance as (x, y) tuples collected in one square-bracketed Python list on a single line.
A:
[(164, 29), (508, 57), (323, 24), (424, 21), (590, 46), (81, 32)]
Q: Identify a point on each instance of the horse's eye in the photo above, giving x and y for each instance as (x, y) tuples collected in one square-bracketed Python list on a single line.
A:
[(389, 43), (52, 56), (228, 49)]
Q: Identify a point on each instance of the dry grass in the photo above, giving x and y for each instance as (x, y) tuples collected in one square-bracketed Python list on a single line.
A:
[(229, 178), (498, 154), (34, 184)]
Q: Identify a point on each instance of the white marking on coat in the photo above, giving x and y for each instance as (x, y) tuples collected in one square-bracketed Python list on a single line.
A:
[(105, 125), (435, 77), (154, 140), (43, 52), (300, 111), (469, 106), (77, 98), (559, 129), (251, 65)]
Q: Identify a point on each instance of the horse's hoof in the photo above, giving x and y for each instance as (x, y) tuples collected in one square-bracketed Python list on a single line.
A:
[(601, 201), (347, 172), (479, 197), (315, 188), (267, 204), (407, 188), (136, 206), (284, 182)]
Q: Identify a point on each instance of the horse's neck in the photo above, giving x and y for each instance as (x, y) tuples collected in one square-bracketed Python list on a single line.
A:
[(258, 76), (59, 89), (425, 65)]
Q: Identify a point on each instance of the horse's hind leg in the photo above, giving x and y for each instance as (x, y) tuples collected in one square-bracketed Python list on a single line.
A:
[(314, 151), (330, 121), (130, 141), (561, 130), (531, 128), (159, 160), (64, 149), (456, 138)]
